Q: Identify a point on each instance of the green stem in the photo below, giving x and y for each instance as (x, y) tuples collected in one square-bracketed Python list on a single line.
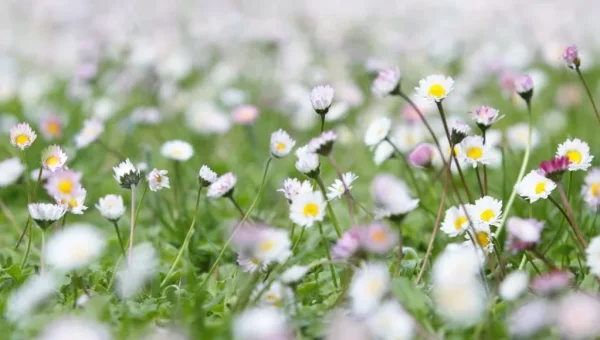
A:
[(37, 183), (409, 169), (237, 206), (119, 237), (322, 122), (589, 93), (260, 189), (28, 249), (299, 239), (132, 226), (26, 175), (176, 181), (326, 246), (42, 264), (332, 217), (481, 188), (186, 241), (485, 175)]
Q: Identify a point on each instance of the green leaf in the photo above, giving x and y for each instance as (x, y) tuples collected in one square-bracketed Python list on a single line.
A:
[(411, 297)]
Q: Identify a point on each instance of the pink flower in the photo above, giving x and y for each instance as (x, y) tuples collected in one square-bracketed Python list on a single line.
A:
[(387, 82), (347, 245), (245, 114), (63, 183), (552, 282), (51, 126), (554, 168), (323, 144), (378, 238), (523, 233), (571, 57), (507, 81), (486, 116), (524, 86), (422, 155)]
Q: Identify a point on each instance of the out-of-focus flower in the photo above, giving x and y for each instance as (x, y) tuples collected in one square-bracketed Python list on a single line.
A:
[(92, 129), (578, 316), (435, 87), (590, 189), (73, 202), (347, 245), (271, 245), (552, 282), (531, 317), (368, 286), (455, 221), (384, 151), (391, 321), (487, 210), (593, 255), (204, 118), (74, 247), (392, 197), (571, 57), (481, 236), (578, 153), (378, 238), (523, 233), (22, 136), (378, 131), (321, 97), (281, 143), (75, 328), (63, 183), (158, 180), (111, 207), (127, 175), (260, 323), (535, 186), (53, 158), (249, 264), (294, 274), (524, 87), (177, 150), (133, 275), (245, 114), (51, 126), (459, 131), (342, 325), (514, 285), (517, 137), (308, 162), (339, 187), (387, 82), (308, 208), (422, 155), (223, 186), (276, 295), (104, 108), (292, 187), (45, 214), (22, 302), (11, 170)]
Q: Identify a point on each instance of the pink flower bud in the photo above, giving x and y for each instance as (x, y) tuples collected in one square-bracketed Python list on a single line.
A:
[(422, 155)]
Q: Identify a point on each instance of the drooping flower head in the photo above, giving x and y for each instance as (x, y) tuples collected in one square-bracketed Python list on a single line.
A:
[(111, 207), (571, 57), (321, 97), (387, 82), (126, 174), (460, 130), (524, 87), (435, 87), (485, 116), (223, 186), (245, 114), (22, 136), (523, 233), (45, 214), (53, 158), (323, 144), (422, 155), (578, 153), (158, 180), (281, 144), (554, 168), (177, 150), (206, 176)]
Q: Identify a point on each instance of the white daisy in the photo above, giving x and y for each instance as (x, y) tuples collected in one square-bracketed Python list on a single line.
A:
[(206, 176), (377, 131), (487, 210), (308, 208), (281, 144), (74, 247), (22, 302), (53, 158), (74, 201), (177, 150), (534, 186), (384, 151), (75, 328), (250, 264), (321, 97), (387, 81), (22, 136), (111, 207), (517, 136), (391, 322), (459, 130), (391, 196), (308, 161), (514, 285), (458, 154), (133, 275), (455, 221), (323, 144), (407, 136), (92, 129), (475, 152), (591, 189), (435, 87), (294, 274), (338, 188), (223, 186), (11, 170), (292, 187), (593, 256), (260, 323), (483, 237), (368, 286), (126, 174), (277, 295), (45, 214), (158, 180), (272, 245), (578, 152)]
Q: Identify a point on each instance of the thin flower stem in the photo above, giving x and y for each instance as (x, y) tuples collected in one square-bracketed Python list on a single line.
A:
[(326, 246), (347, 195), (237, 206), (322, 122), (409, 169), (332, 217), (27, 225), (176, 181), (524, 163), (186, 241), (64, 221), (260, 189), (573, 221), (435, 231), (26, 175), (481, 188), (299, 239), (37, 183), (132, 227), (458, 167), (400, 252), (42, 264), (589, 93), (115, 152), (119, 236), (485, 175), (499, 258), (28, 249), (531, 261), (541, 256)]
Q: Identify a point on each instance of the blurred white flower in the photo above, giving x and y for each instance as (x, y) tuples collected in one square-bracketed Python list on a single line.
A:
[(177, 150), (111, 207), (11, 170), (377, 131), (281, 143), (158, 180), (36, 289), (223, 186), (391, 321), (133, 275), (74, 328), (514, 285), (294, 274), (260, 323), (74, 247), (517, 136), (92, 129), (368, 286)]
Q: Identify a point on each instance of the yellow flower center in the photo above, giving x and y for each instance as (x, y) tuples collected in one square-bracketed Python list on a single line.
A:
[(540, 188), (595, 189), (73, 203), (459, 222), (177, 153), (373, 287), (279, 146), (380, 132), (474, 153), (310, 209), (574, 156), (456, 150), (267, 245), (487, 215), (255, 261), (483, 238), (437, 91), (378, 236), (65, 186), (52, 161), (22, 139), (410, 139), (53, 129), (158, 178)]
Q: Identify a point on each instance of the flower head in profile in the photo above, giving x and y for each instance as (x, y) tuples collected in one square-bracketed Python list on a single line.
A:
[(368, 286), (323, 144), (378, 131), (44, 214), (92, 129), (459, 131), (292, 187), (281, 144), (535, 186), (339, 187), (571, 57), (126, 174), (485, 116), (487, 210), (422, 155), (475, 151), (11, 170), (554, 168), (206, 176), (111, 207), (387, 82), (321, 97), (133, 275), (578, 153), (435, 87), (177, 150), (308, 208), (308, 161), (245, 114), (51, 126), (74, 247), (524, 87), (523, 233), (347, 245), (591, 189), (223, 186), (53, 158), (22, 136), (158, 180), (378, 238), (455, 221)]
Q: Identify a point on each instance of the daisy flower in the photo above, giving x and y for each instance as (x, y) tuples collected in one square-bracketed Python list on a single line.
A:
[(158, 180), (74, 201), (347, 245), (578, 153), (456, 265), (384, 151), (177, 150), (458, 154), (514, 285), (407, 136), (308, 208), (422, 155), (535, 186), (391, 321), (455, 221), (44, 214), (111, 207), (378, 238), (338, 188), (260, 323), (23, 301), (475, 152), (127, 175), (517, 137), (22, 136), (591, 188), (308, 161), (294, 274), (377, 131), (245, 114), (387, 82), (483, 237), (272, 245), (53, 158), (531, 317), (276, 295), (92, 129), (11, 170), (485, 116), (292, 187), (578, 316), (551, 283), (368, 286), (281, 144), (554, 168), (435, 87), (523, 233), (571, 57), (51, 126), (321, 97), (459, 131), (487, 210), (323, 144), (206, 176), (75, 328), (74, 247), (133, 275), (223, 186), (593, 256), (250, 264), (392, 197)]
